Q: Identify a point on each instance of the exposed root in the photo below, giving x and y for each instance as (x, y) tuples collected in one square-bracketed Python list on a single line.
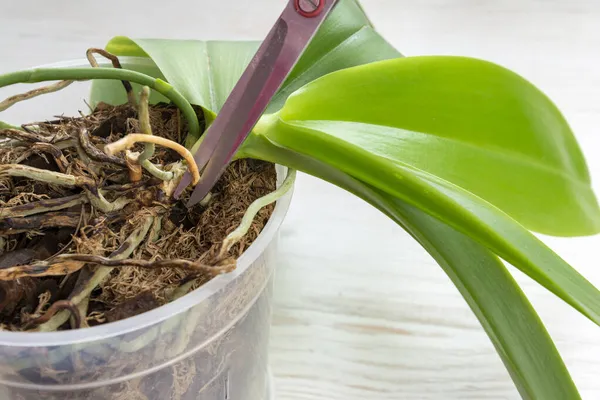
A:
[(33, 93), (117, 64), (82, 310), (42, 206), (135, 169), (69, 263), (96, 154), (254, 208), (98, 200), (128, 141), (14, 226), (84, 290), (26, 136), (193, 266), (184, 289), (43, 268), (65, 305), (144, 121), (55, 152), (51, 177), (111, 242)]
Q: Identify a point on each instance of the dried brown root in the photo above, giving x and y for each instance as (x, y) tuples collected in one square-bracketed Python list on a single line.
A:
[(95, 153), (128, 141), (60, 306), (13, 226), (43, 268), (85, 287), (50, 177), (43, 206), (92, 60), (193, 266), (9, 102), (69, 263), (117, 64), (55, 152), (26, 136)]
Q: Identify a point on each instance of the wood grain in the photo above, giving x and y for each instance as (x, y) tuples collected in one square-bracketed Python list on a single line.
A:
[(361, 312)]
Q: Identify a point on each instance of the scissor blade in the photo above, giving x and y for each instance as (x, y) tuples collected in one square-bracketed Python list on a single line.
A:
[(265, 74), (228, 127)]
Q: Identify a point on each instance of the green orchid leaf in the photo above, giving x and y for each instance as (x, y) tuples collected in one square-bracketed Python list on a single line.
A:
[(458, 208), (112, 91), (470, 122), (374, 155), (508, 318), (205, 72)]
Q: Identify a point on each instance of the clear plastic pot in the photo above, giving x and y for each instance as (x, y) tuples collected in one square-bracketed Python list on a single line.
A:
[(211, 344)]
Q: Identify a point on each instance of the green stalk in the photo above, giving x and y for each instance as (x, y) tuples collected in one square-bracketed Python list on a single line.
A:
[(83, 74)]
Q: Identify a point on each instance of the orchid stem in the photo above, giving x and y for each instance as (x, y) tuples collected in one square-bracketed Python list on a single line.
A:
[(83, 74)]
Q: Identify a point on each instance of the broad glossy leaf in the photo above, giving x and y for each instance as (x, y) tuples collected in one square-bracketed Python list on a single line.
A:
[(501, 307), (510, 321), (206, 71), (376, 163), (467, 121), (203, 71)]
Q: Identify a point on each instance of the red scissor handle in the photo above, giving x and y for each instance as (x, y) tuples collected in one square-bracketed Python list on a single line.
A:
[(309, 8), (253, 92)]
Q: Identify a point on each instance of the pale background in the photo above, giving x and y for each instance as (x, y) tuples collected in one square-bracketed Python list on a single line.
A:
[(361, 312)]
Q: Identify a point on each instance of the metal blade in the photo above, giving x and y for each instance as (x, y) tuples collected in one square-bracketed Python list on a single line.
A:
[(265, 74)]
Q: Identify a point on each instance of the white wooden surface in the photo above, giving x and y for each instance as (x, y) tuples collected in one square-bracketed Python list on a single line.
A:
[(361, 312)]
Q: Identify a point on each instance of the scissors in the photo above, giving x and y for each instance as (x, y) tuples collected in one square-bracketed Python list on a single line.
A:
[(265, 74)]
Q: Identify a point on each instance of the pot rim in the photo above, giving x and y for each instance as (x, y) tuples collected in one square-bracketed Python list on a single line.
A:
[(166, 311)]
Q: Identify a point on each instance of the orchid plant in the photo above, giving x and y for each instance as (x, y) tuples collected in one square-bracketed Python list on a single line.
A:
[(466, 156)]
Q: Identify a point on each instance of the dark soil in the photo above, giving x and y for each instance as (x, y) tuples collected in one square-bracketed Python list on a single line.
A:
[(40, 222)]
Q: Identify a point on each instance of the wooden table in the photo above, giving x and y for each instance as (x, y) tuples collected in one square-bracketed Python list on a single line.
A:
[(361, 311)]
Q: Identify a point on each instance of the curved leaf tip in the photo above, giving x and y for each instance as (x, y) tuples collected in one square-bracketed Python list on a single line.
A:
[(471, 122), (125, 46)]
